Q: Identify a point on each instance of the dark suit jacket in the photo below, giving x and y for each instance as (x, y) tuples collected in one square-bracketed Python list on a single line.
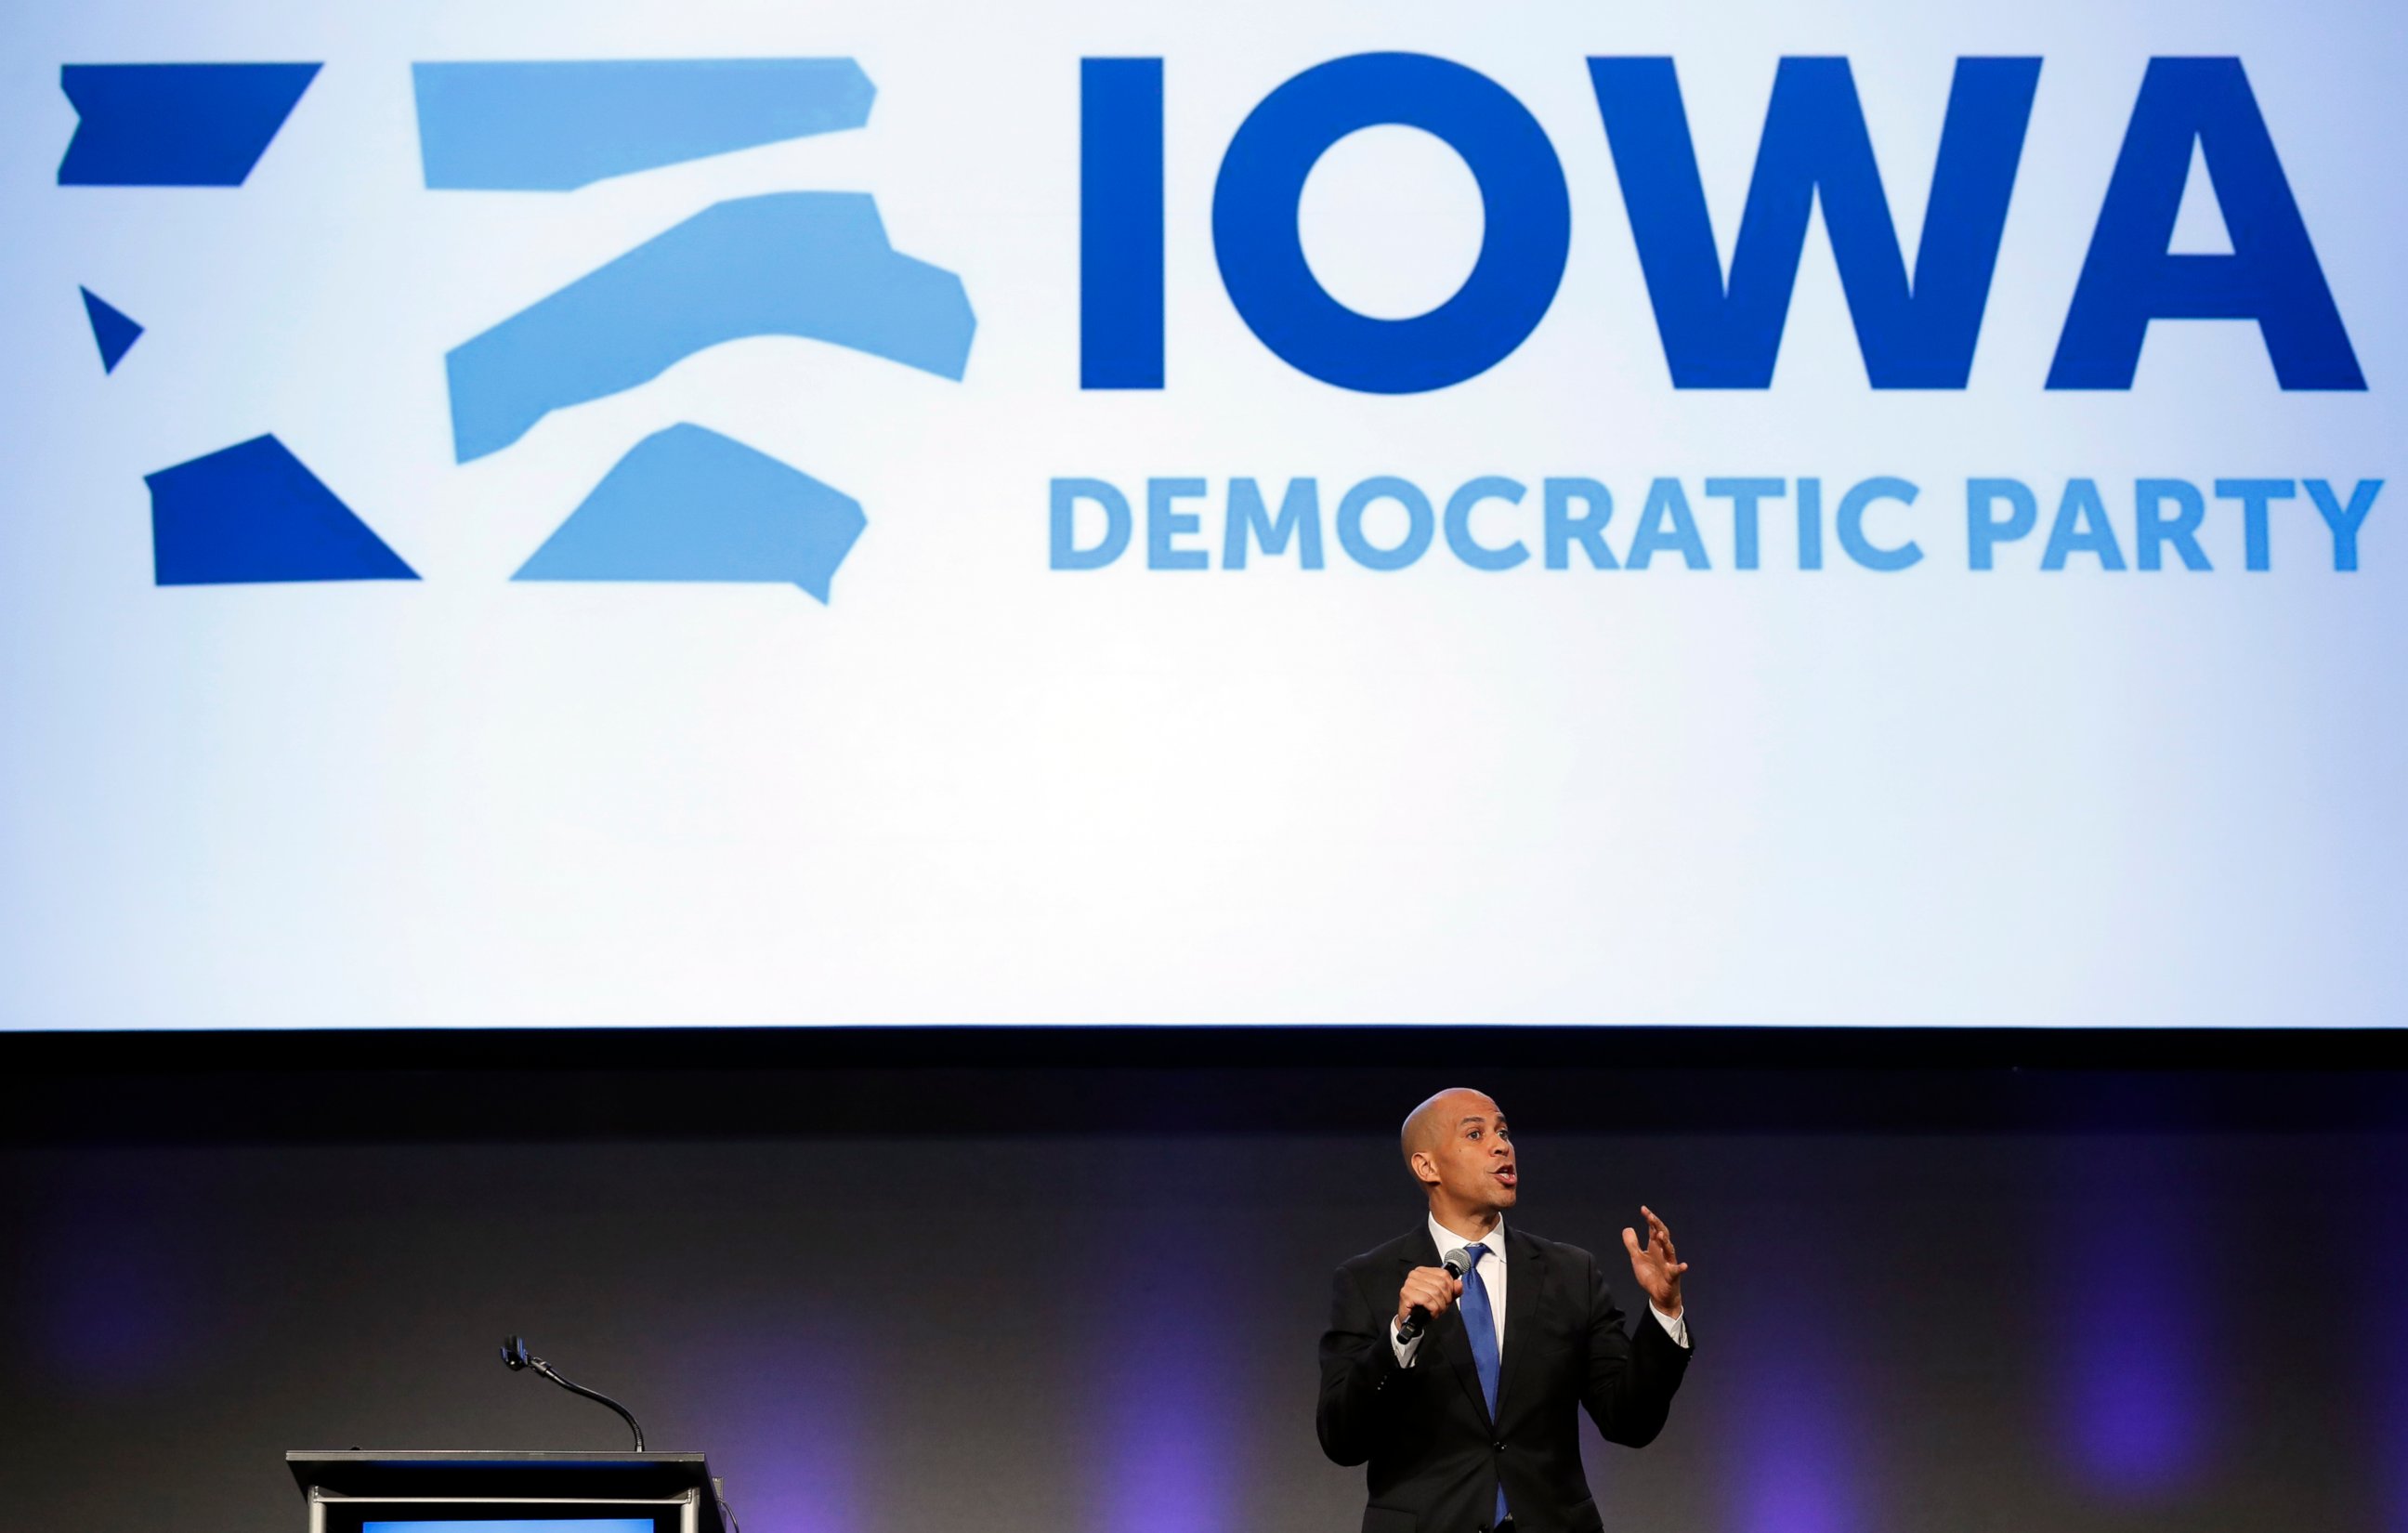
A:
[(1434, 1457)]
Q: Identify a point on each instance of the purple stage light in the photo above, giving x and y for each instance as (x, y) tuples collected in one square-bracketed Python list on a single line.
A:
[(784, 1422), (2130, 1302), (1783, 1401), (1164, 1468), (116, 1280), (1795, 1412), (1169, 1431), (1796, 1477)]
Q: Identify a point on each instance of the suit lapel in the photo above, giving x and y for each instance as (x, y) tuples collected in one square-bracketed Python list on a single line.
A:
[(1447, 1331), (1524, 1282)]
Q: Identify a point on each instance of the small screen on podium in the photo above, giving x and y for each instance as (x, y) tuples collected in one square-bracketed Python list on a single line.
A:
[(518, 1525)]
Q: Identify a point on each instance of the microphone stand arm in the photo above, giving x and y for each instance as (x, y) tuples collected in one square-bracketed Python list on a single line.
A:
[(625, 1415)]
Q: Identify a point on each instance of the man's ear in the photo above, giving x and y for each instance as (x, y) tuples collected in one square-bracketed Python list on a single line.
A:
[(1424, 1169)]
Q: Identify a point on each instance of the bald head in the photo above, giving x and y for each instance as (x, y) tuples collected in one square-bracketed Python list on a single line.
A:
[(1457, 1147), (1435, 1118)]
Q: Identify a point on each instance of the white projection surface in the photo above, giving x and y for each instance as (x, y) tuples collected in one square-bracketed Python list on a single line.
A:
[(1909, 698)]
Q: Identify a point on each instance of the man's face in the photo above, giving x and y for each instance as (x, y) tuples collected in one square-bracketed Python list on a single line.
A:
[(1472, 1152)]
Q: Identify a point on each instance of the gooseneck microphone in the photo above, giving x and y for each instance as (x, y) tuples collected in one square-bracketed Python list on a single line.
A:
[(1456, 1262), (516, 1357)]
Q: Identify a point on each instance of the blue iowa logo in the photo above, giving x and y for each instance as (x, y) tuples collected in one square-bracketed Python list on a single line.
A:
[(685, 504)]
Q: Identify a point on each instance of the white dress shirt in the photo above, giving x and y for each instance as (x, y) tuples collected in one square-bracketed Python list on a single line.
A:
[(1491, 1271)]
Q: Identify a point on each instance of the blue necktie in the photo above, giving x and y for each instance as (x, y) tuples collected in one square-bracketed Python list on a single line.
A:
[(1480, 1326)]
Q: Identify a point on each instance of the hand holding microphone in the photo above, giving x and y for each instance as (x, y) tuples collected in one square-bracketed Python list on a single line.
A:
[(1427, 1292)]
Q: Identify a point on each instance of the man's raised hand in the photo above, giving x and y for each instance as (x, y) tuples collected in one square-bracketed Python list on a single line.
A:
[(1655, 1265), (1428, 1288)]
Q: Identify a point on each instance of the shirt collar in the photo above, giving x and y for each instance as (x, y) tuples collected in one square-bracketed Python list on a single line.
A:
[(1447, 1239)]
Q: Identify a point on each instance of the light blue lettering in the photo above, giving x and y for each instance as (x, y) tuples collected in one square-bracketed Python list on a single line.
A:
[(1419, 523), (2081, 528), (1066, 493)]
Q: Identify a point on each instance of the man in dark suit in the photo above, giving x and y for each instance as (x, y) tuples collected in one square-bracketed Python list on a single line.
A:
[(1470, 1425)]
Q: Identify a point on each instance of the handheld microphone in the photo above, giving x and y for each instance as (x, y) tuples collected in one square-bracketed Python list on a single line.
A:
[(515, 1357), (1456, 1262)]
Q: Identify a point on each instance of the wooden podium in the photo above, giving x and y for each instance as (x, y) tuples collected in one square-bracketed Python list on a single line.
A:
[(507, 1493)]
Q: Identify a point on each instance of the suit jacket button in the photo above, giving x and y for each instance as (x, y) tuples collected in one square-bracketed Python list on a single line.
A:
[(1498, 1445)]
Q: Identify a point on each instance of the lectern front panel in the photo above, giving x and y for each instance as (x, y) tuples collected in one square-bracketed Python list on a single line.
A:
[(342, 1515), (514, 1525)]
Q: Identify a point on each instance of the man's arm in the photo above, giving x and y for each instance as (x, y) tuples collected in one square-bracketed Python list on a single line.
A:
[(1358, 1375), (1631, 1379)]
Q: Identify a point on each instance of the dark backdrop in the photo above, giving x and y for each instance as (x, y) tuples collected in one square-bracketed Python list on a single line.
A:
[(1074, 1288)]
